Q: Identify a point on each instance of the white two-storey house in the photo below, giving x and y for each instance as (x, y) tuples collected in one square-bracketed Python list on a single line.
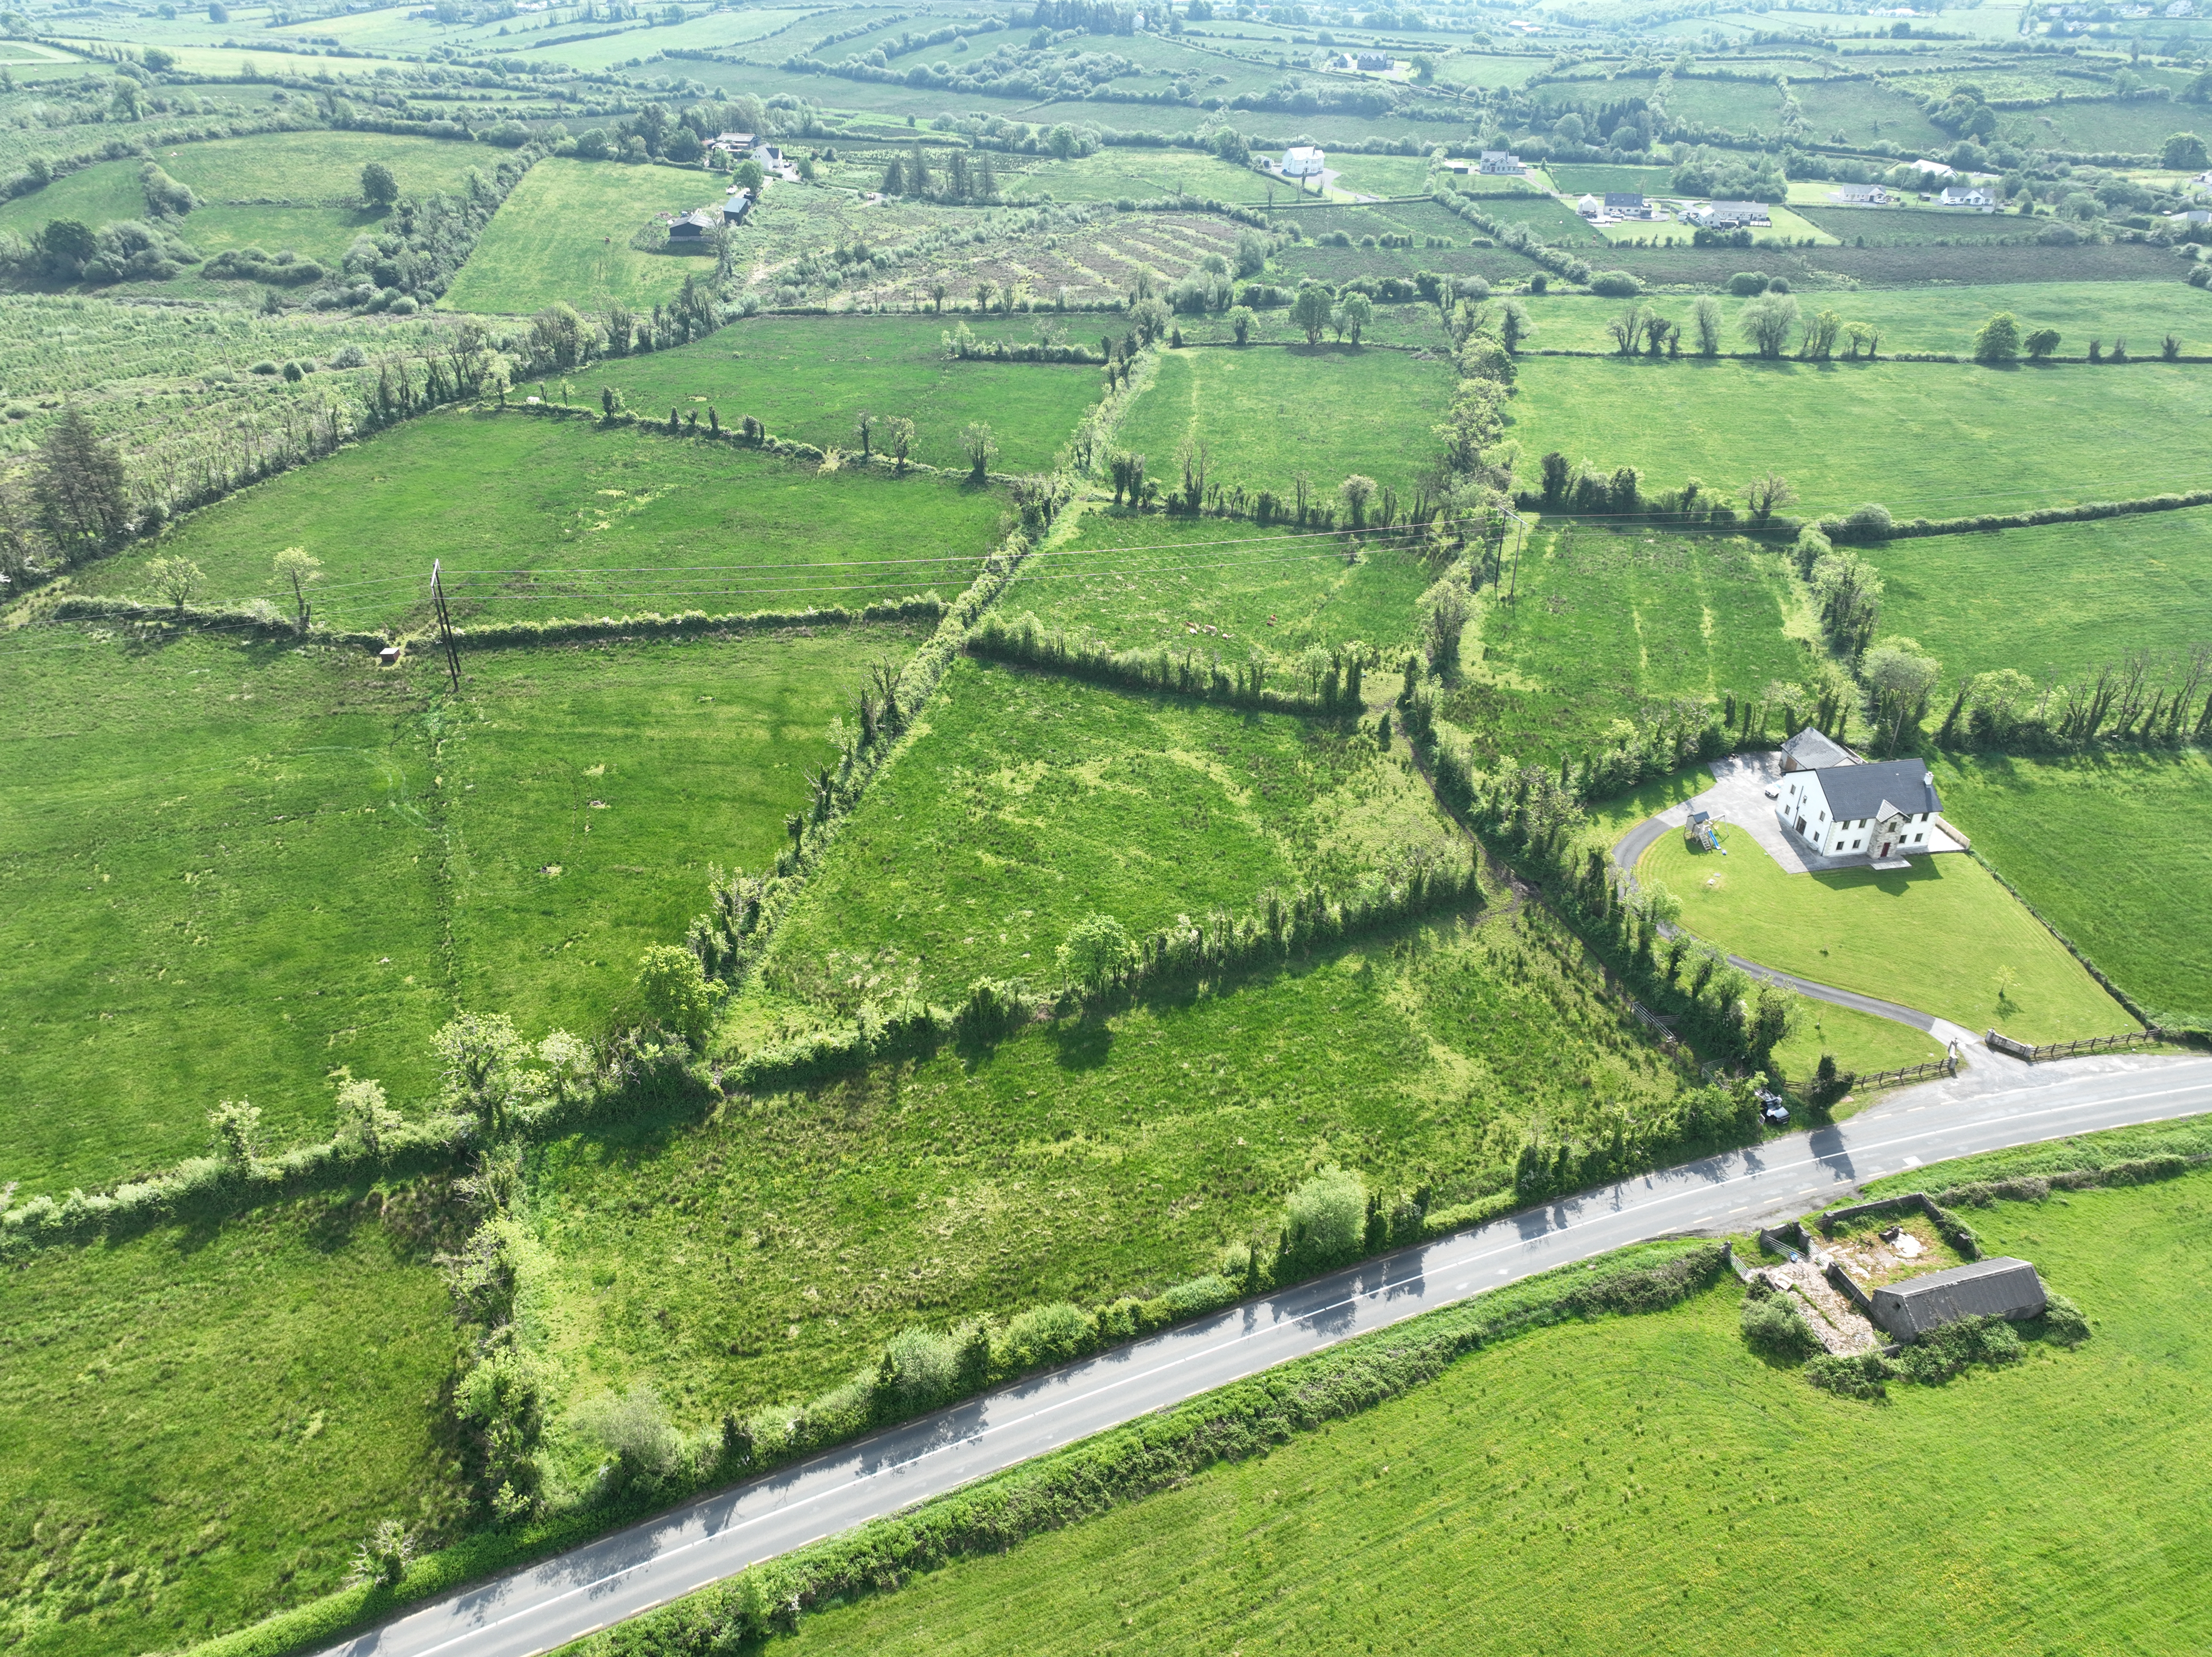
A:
[(1880, 811)]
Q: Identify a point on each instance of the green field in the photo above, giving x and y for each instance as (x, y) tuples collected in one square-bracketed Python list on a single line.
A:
[(1658, 1455), (1257, 412), (1579, 179), (2056, 602), (588, 788), (2109, 848), (201, 1424), (1940, 319), (1382, 175), (1139, 174), (1604, 625), (760, 1255), (1143, 580), (249, 866), (563, 234), (1032, 801), (809, 379), (1847, 432), (319, 168), (226, 856), (587, 520), (1937, 938)]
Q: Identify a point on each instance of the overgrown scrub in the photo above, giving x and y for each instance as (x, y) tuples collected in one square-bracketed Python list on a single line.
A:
[(1322, 684), (1774, 1328)]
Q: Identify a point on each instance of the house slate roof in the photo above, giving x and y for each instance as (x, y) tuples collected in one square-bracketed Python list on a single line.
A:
[(1999, 1288), (1873, 790), (1814, 750), (1623, 198)]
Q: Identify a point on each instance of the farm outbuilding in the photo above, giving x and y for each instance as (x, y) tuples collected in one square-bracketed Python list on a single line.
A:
[(1999, 1288)]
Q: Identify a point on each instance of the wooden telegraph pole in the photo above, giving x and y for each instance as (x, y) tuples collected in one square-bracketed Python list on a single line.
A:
[(444, 622)]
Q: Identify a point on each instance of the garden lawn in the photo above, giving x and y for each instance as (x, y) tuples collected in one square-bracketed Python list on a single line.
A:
[(1266, 415), (1847, 432), (563, 234), (1605, 625), (2056, 602), (1651, 1453), (1140, 580), (1858, 1040), (1941, 937), (1029, 801), (221, 870), (762, 1255), (589, 788), (809, 379), (585, 521), (201, 1424), (2110, 849)]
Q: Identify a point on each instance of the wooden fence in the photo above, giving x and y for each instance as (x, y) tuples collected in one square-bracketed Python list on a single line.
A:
[(1883, 1078), (2072, 1049)]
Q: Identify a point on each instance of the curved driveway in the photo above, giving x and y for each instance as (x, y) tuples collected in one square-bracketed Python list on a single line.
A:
[(536, 1608)]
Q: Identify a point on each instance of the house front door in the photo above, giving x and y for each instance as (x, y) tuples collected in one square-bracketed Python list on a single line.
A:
[(1885, 848)]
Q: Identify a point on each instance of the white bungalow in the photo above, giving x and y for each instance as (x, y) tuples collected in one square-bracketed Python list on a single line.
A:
[(1969, 195), (1883, 810), (1304, 161)]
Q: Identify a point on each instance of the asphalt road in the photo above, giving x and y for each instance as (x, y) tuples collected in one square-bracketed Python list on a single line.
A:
[(539, 1607)]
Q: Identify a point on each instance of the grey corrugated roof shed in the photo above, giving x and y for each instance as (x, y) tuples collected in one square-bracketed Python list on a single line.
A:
[(1859, 791), (2000, 1288)]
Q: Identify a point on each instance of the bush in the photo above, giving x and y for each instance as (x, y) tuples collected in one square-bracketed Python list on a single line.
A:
[(1745, 283), (642, 1448), (1861, 1376), (1616, 284), (1041, 1336), (1942, 1353), (1325, 1221), (1773, 1328), (2063, 1322), (678, 995), (920, 1369)]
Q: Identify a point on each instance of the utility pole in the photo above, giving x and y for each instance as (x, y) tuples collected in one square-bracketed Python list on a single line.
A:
[(444, 622)]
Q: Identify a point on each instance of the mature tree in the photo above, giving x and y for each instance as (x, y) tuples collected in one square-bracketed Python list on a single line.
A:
[(2041, 343), (1098, 951), (1767, 322), (1240, 323), (1445, 610), (678, 995), (864, 429), (378, 187), (165, 197), (1901, 675), (78, 480), (1357, 491), (1149, 317), (918, 176), (1359, 312), (1997, 340), (894, 182), (1657, 331), (1626, 329), (302, 568), (983, 291), (1817, 336), (747, 175), (1766, 495), (1062, 142), (980, 446), (1311, 310), (2184, 152), (1514, 326), (173, 579), (898, 437)]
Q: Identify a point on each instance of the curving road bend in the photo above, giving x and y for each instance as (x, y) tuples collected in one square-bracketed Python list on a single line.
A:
[(538, 1607)]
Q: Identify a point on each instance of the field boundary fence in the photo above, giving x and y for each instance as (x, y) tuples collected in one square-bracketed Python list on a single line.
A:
[(2151, 1035)]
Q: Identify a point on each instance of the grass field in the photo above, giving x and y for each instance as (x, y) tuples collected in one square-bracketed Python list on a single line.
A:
[(1140, 175), (1937, 937), (564, 234), (2109, 848), (757, 1256), (226, 856), (247, 865), (587, 787), (2054, 602), (1844, 434), (1139, 581), (1033, 801), (319, 168), (200, 1424), (1255, 411), (1657, 1455), (1581, 179), (1383, 175), (1933, 318), (587, 521), (1604, 625), (809, 379)]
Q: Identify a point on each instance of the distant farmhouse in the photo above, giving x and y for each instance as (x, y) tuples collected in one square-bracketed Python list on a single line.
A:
[(1859, 195), (2000, 1288), (1364, 62), (1626, 204), (1969, 196), (1727, 216), (1304, 161), (1501, 161), (1838, 805)]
